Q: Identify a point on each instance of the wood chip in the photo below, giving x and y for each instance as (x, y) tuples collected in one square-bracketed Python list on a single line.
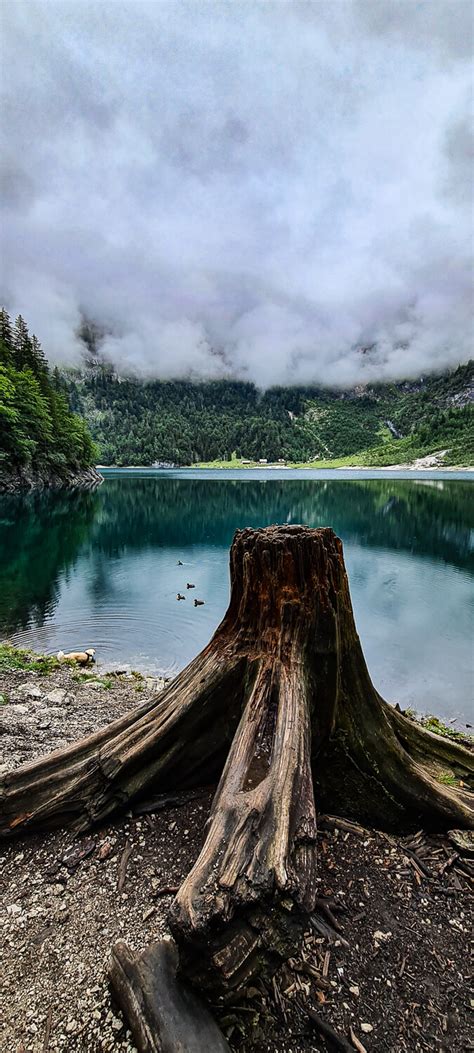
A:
[(356, 1042), (325, 1029), (47, 1030), (448, 863), (122, 873), (165, 890)]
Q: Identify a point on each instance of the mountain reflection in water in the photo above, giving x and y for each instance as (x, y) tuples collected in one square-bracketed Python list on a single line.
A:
[(101, 569)]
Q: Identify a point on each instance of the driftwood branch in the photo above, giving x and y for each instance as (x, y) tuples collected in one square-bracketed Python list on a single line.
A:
[(164, 1014)]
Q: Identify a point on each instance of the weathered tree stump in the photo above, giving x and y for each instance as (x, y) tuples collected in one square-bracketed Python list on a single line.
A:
[(280, 705), (287, 650), (311, 711)]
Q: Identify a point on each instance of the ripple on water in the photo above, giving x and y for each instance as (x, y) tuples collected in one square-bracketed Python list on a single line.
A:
[(156, 646)]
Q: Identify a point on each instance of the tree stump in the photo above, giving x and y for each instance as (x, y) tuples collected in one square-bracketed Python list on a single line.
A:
[(286, 651), (280, 705)]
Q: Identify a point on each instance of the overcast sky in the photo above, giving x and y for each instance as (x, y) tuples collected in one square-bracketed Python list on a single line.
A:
[(243, 189)]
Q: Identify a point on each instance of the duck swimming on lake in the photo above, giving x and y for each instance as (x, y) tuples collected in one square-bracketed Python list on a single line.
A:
[(189, 586), (180, 597), (179, 563), (199, 603)]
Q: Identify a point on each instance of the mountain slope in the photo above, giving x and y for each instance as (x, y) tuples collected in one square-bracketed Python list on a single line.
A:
[(182, 422)]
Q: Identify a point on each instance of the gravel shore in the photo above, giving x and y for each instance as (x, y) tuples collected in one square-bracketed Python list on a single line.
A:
[(397, 973)]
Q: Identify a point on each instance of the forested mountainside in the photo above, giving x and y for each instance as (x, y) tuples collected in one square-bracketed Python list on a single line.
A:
[(47, 418), (42, 443), (181, 422)]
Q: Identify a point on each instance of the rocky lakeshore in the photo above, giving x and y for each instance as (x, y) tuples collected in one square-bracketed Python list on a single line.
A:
[(25, 479), (387, 972)]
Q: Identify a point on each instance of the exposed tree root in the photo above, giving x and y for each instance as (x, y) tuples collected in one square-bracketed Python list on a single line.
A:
[(164, 1014), (261, 845), (178, 740)]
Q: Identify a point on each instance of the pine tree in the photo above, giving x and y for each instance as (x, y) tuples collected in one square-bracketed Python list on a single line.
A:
[(6, 338), (6, 328), (37, 427), (22, 344), (56, 379), (40, 365)]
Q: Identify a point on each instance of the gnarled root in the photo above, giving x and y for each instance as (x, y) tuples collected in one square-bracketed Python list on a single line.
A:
[(178, 740), (239, 907)]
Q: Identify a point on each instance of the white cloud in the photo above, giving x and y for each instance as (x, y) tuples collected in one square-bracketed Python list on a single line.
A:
[(277, 183)]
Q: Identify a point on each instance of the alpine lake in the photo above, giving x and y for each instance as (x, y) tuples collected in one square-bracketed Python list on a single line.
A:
[(103, 569)]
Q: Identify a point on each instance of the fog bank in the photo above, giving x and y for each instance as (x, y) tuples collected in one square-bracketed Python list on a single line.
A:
[(249, 190)]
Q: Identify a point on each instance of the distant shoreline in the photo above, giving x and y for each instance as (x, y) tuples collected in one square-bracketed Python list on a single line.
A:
[(231, 466)]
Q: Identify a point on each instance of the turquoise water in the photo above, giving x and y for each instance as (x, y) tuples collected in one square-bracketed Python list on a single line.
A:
[(100, 570)]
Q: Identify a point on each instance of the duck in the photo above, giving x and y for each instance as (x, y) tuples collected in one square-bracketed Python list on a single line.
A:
[(189, 586), (180, 597), (179, 563), (86, 657), (199, 603)]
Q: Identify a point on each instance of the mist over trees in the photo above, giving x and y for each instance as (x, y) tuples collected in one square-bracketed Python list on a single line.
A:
[(61, 422)]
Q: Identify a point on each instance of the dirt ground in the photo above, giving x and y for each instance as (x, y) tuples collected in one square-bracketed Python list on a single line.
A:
[(395, 978)]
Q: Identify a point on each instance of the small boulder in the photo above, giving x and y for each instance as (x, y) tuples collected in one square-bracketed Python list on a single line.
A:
[(57, 697), (30, 691)]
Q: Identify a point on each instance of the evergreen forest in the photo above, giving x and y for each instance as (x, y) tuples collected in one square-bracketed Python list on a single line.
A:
[(39, 434), (219, 422)]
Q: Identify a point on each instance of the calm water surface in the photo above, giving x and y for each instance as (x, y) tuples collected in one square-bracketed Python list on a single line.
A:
[(100, 570)]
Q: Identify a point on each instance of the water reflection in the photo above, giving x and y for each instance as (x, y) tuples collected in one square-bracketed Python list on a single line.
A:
[(40, 536), (101, 569)]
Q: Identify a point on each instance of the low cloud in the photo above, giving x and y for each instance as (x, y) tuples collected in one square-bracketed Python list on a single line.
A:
[(249, 190)]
